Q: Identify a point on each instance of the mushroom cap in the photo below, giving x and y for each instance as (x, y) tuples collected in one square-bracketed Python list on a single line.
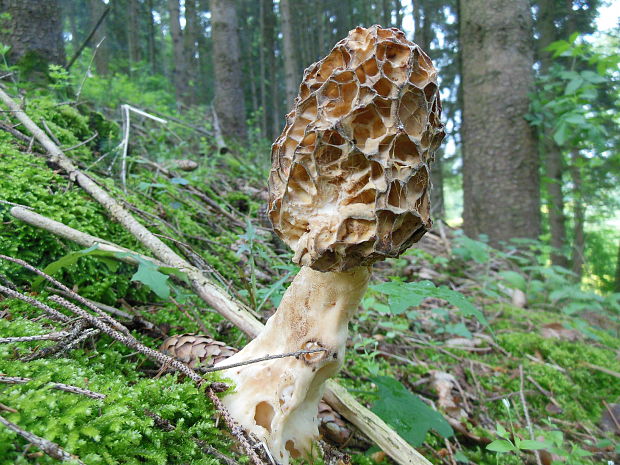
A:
[(349, 183)]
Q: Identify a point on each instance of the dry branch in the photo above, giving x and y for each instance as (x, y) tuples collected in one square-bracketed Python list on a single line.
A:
[(39, 337), (57, 386), (370, 424), (50, 448)]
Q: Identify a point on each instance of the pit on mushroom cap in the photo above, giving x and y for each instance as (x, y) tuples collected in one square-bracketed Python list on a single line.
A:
[(349, 185)]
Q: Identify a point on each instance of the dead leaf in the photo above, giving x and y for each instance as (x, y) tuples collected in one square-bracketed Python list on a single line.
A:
[(558, 331), (553, 409), (518, 297), (610, 420), (443, 383), (463, 342)]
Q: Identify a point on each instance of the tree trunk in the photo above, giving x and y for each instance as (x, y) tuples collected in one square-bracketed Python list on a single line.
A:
[(580, 214), (398, 9), (423, 36), (262, 68), (179, 71), (554, 163), (133, 32), (190, 39), (291, 78), (557, 219), (386, 13), (617, 283), (229, 100), (102, 55), (500, 161), (33, 30), (152, 50)]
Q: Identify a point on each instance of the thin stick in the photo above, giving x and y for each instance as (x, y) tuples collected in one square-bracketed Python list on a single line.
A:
[(34, 219), (611, 414), (49, 132), (263, 359), (527, 414), (53, 314), (50, 448), (601, 369), (125, 145), (90, 36), (77, 297), (129, 340), (73, 147), (234, 427), (57, 386), (6, 408), (40, 337)]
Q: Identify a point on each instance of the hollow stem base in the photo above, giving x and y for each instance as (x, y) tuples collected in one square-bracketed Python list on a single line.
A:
[(277, 400)]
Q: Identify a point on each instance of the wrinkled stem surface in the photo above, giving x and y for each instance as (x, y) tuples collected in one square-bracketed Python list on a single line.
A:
[(277, 400)]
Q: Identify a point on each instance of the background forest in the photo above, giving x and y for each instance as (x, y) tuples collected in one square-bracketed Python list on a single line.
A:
[(511, 302)]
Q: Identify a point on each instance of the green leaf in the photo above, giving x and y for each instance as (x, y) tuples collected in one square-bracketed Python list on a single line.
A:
[(460, 457), (528, 444), (149, 275), (502, 446), (573, 85), (501, 431), (181, 181), (561, 133), (514, 279), (406, 413), (70, 259)]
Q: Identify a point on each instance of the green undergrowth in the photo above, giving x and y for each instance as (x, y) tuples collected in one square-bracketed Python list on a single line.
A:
[(108, 431), (116, 430)]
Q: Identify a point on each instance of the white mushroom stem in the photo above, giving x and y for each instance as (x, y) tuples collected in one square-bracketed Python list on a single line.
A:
[(277, 400)]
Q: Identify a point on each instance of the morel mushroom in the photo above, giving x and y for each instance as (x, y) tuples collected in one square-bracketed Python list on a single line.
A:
[(349, 186)]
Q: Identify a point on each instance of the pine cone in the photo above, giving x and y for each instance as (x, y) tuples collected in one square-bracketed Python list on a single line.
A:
[(193, 349), (185, 165), (332, 426)]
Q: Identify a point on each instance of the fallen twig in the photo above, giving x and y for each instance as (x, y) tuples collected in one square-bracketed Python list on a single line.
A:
[(53, 314), (57, 386), (50, 448), (601, 369), (79, 298), (73, 147), (57, 336), (236, 430), (262, 359)]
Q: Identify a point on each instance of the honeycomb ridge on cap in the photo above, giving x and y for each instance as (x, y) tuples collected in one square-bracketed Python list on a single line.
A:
[(349, 183)]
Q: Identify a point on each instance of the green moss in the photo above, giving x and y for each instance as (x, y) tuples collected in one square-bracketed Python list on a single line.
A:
[(103, 431)]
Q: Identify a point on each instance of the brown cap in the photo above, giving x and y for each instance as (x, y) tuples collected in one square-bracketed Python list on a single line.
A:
[(349, 183)]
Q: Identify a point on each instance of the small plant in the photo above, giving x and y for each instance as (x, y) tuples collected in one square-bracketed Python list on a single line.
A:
[(505, 444)]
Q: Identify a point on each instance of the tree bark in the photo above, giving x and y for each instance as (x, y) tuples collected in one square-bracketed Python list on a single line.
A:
[(617, 283), (500, 161), (579, 212), (179, 71), (101, 59), (133, 32), (33, 29), (229, 99), (151, 48), (554, 163), (423, 36), (291, 78), (399, 14)]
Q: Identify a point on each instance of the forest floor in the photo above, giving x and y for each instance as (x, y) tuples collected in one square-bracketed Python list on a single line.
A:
[(512, 353)]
